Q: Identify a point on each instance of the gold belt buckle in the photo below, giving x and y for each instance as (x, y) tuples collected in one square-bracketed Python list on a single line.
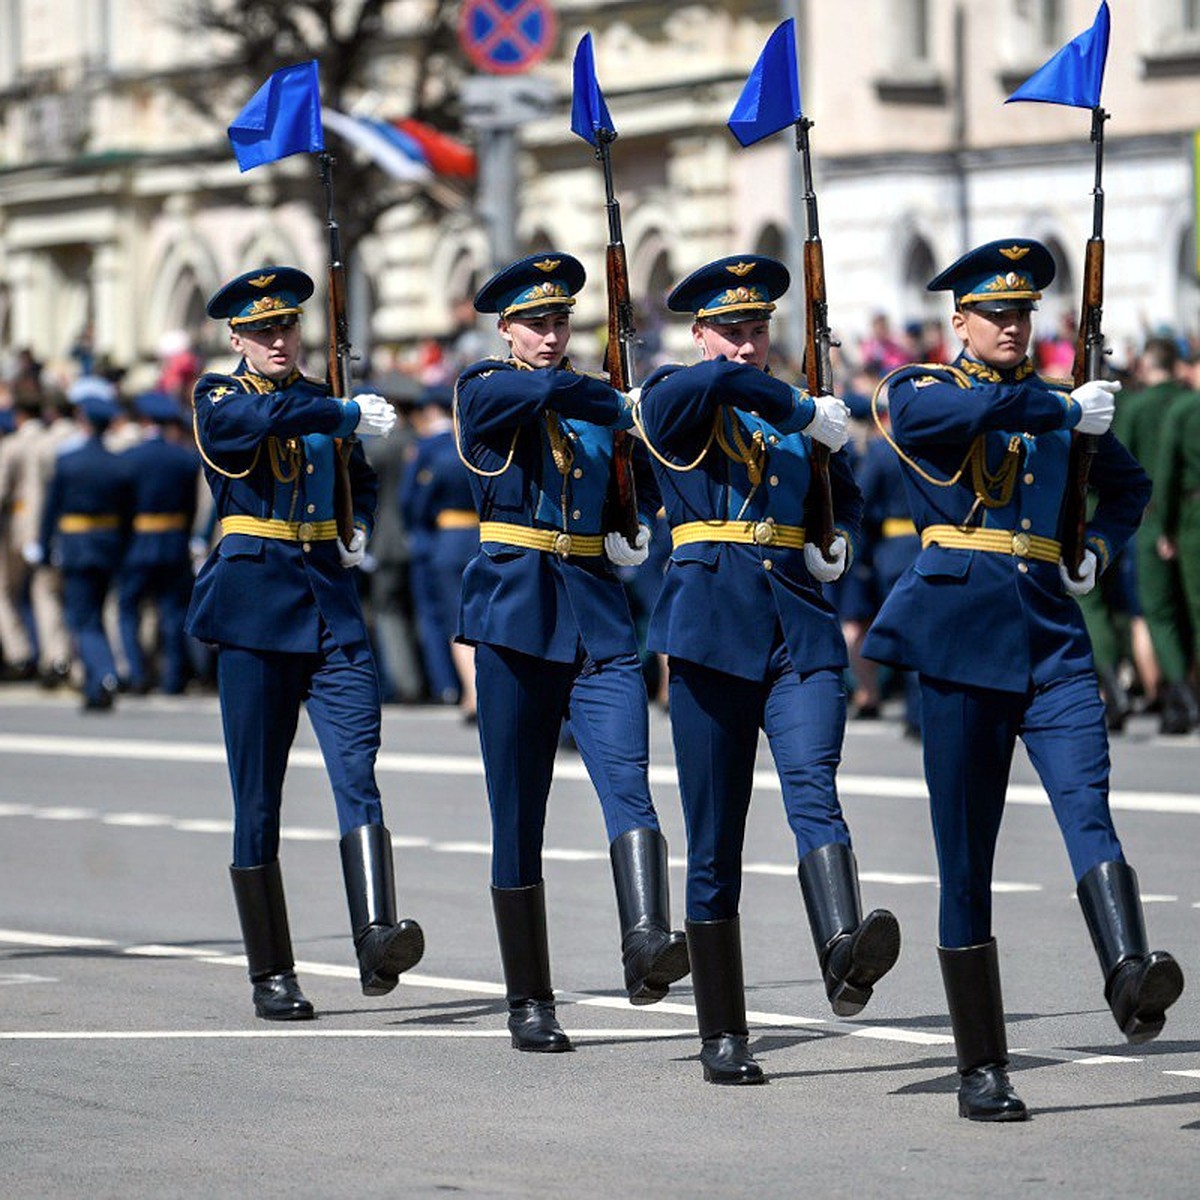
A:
[(562, 545), (1020, 545), (764, 532), (306, 531)]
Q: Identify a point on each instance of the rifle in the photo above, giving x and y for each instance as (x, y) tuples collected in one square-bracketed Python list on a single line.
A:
[(621, 511), (337, 360), (1088, 364), (818, 369)]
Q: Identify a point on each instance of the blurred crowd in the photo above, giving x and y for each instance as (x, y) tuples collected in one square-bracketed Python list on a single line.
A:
[(1143, 618)]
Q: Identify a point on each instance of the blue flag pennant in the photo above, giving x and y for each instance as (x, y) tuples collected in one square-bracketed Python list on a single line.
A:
[(589, 113), (1075, 74), (770, 100), (282, 118)]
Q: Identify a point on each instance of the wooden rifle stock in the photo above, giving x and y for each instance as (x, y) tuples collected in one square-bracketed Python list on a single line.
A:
[(337, 362), (621, 511), (818, 371), (1088, 365)]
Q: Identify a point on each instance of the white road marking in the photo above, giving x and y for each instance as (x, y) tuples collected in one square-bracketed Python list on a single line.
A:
[(871, 786), (18, 977), (757, 1019), (305, 1029), (1185, 1074)]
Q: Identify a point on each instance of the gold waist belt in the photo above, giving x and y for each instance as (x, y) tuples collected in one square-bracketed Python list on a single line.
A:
[(993, 541), (160, 522), (284, 531), (457, 518), (899, 527), (87, 522), (749, 533), (549, 541)]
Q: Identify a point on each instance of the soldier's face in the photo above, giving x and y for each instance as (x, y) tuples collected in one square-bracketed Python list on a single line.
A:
[(272, 352), (538, 341), (742, 342), (998, 339)]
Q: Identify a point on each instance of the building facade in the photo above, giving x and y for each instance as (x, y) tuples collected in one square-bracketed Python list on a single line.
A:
[(121, 207)]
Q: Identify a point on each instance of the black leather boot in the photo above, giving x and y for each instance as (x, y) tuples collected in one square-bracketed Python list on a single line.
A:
[(1117, 705), (1140, 984), (386, 947), (715, 948), (525, 956), (1180, 713), (855, 952), (262, 912), (971, 976), (654, 955)]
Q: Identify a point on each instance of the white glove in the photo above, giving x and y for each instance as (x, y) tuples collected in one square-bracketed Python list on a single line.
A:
[(31, 552), (353, 554), (1096, 399), (376, 417), (818, 567), (828, 425), (1087, 575), (634, 394), (622, 554)]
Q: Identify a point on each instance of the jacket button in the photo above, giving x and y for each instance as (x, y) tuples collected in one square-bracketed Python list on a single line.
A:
[(578, 472), (1025, 522), (1029, 477), (310, 468), (576, 515), (312, 508), (774, 481), (1023, 568), (767, 564), (306, 547)]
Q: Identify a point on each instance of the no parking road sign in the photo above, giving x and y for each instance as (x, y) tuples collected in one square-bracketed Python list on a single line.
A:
[(505, 37)]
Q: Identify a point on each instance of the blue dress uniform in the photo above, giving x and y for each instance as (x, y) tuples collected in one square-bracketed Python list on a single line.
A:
[(158, 562), (284, 613), (89, 506), (1002, 652), (554, 639), (753, 645), (443, 527), (895, 543)]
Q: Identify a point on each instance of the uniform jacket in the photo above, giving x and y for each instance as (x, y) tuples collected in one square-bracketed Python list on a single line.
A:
[(164, 482), (92, 484), (995, 620), (885, 510), (721, 603), (268, 453), (20, 485), (436, 482), (545, 438)]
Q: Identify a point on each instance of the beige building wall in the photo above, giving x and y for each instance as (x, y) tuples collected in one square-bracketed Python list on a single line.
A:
[(121, 206)]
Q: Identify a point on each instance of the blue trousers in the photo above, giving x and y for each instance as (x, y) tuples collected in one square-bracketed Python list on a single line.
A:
[(970, 734), (522, 702), (84, 591), (261, 693), (169, 587), (715, 723), (435, 629)]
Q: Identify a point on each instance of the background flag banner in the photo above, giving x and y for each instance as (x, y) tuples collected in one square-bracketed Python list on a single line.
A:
[(282, 118), (770, 101), (588, 110), (445, 155), (395, 153), (1075, 74)]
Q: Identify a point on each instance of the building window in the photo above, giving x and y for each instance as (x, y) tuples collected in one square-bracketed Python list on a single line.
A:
[(1171, 39), (910, 74)]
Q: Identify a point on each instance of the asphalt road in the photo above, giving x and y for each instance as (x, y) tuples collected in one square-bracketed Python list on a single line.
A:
[(131, 1063)]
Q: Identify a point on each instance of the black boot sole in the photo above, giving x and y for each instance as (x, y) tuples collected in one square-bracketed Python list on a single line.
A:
[(403, 950), (670, 966), (721, 1079), (873, 953), (1006, 1114), (555, 1047), (290, 1014), (1161, 986)]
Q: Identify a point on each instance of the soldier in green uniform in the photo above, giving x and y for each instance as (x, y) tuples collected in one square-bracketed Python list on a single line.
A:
[(1139, 423), (1177, 488)]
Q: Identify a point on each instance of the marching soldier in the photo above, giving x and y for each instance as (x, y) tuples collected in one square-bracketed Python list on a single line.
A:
[(18, 479), (553, 636), (278, 600), (85, 528), (439, 513), (753, 644), (158, 562), (987, 615)]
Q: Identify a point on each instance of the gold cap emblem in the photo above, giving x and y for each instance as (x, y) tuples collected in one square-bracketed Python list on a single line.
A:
[(547, 264), (1014, 253), (261, 281), (739, 269)]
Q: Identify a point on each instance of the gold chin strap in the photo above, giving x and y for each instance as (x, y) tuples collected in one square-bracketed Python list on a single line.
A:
[(983, 481)]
